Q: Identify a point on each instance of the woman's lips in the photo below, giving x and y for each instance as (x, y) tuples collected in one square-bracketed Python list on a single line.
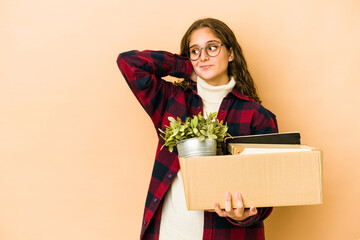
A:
[(205, 67)]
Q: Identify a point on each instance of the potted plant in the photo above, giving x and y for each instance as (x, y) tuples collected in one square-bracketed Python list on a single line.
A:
[(196, 136)]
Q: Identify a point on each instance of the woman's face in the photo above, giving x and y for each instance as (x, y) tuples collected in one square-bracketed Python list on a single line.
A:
[(212, 69)]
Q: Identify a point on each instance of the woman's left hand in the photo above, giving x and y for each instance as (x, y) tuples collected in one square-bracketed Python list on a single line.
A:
[(238, 214)]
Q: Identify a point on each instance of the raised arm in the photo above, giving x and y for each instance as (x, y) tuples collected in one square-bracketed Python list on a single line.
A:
[(143, 71)]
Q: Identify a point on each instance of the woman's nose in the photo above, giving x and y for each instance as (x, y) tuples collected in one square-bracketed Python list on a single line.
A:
[(203, 55)]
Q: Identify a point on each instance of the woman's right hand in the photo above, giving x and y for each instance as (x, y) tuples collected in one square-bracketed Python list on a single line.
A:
[(238, 214)]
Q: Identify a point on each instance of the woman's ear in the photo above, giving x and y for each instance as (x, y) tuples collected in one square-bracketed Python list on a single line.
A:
[(231, 55)]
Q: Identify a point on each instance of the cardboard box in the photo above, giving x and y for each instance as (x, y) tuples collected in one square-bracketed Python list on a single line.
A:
[(265, 175)]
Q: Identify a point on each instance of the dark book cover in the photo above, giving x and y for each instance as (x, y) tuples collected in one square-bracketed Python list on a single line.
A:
[(271, 138)]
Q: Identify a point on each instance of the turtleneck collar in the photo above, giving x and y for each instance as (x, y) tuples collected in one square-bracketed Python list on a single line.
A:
[(213, 94)]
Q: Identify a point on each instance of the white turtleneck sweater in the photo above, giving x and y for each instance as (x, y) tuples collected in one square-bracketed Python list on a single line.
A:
[(212, 96), (177, 223)]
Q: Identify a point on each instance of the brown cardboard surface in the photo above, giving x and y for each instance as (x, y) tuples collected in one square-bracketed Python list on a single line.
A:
[(264, 179)]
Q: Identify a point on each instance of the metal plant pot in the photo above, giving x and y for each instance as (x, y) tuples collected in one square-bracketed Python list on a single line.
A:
[(192, 147)]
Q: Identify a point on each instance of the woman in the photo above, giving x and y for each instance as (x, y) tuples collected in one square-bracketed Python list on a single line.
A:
[(216, 80)]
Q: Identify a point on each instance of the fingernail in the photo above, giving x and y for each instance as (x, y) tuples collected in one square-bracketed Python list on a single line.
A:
[(215, 205), (227, 194), (237, 194)]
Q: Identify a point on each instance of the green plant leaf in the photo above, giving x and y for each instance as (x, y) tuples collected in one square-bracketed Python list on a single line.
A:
[(213, 136), (182, 128), (211, 128), (201, 138), (195, 126), (176, 131)]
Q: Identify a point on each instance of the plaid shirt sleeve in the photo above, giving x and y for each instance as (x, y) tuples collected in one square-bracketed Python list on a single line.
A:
[(143, 71), (264, 122), (260, 216)]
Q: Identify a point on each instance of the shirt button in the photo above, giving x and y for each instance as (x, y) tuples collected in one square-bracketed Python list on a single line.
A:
[(156, 200), (170, 175), (199, 107), (144, 222)]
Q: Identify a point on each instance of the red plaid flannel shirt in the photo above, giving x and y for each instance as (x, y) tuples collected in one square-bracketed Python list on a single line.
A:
[(143, 71)]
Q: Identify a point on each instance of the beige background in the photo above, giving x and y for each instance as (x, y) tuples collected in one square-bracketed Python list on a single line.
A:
[(76, 149)]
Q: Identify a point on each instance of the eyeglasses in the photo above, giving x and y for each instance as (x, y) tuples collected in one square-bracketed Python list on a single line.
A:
[(212, 49)]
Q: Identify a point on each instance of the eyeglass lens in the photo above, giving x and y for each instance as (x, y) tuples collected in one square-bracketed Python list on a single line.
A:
[(211, 49)]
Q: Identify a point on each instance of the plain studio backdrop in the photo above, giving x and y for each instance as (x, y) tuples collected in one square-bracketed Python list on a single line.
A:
[(77, 149)]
